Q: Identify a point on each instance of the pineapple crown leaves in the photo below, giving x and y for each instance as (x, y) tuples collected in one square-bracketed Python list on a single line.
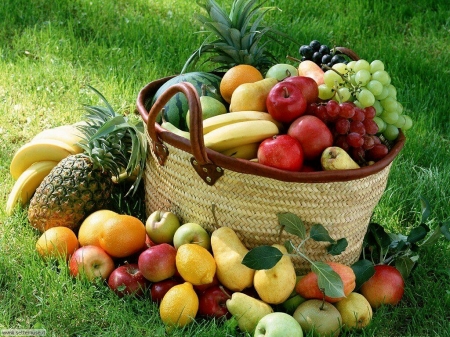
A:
[(233, 38), (112, 142)]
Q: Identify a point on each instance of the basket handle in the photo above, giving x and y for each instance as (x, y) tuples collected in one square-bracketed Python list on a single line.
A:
[(204, 167)]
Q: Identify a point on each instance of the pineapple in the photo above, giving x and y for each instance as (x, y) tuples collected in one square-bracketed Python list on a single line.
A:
[(81, 184), (235, 38)]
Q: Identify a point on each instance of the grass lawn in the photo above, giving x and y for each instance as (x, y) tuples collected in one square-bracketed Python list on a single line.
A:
[(50, 51)]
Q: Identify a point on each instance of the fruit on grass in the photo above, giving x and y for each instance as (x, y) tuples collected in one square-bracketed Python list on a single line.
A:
[(237, 75), (336, 158), (161, 226), (307, 86), (179, 306), (355, 311), (67, 133), (283, 152), (292, 303), (320, 317), (127, 280), (278, 324), (160, 288), (192, 232), (91, 262), (252, 96), (57, 242), (195, 264), (212, 302), (313, 135), (91, 227), (280, 71), (247, 310), (27, 183), (228, 251), (308, 287), (310, 69), (243, 133), (157, 263), (122, 235), (286, 102), (386, 286), (81, 184), (199, 288), (275, 285)]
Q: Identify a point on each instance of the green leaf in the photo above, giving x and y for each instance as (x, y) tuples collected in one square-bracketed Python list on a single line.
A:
[(289, 246), (426, 208), (445, 230), (319, 233), (328, 280), (337, 247), (405, 264), (377, 234), (364, 270), (433, 238), (292, 224), (262, 257)]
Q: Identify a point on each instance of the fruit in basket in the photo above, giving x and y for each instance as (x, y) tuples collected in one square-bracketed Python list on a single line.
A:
[(176, 108), (386, 286), (312, 70), (278, 324), (320, 54), (81, 184), (247, 310), (172, 128), (355, 311), (313, 134), (252, 96), (237, 75), (335, 158), (161, 226), (320, 317), (275, 285), (283, 152), (157, 263), (192, 232), (210, 106), (246, 151), (213, 302), (307, 86), (127, 279), (286, 102), (280, 71), (228, 251), (195, 264), (91, 262)]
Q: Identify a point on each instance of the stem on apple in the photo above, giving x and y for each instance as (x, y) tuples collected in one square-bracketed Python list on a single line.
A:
[(224, 291)]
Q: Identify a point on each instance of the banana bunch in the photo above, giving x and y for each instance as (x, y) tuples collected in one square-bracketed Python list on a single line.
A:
[(34, 161)]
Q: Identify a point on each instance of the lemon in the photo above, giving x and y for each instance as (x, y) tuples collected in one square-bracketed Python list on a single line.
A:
[(179, 306), (195, 264)]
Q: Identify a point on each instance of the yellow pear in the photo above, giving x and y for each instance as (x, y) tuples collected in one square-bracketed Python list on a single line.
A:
[(247, 310), (228, 251), (336, 158), (252, 96), (275, 285), (355, 310)]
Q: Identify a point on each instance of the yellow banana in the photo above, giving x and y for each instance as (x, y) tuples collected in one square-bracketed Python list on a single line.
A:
[(218, 121), (238, 134), (39, 150), (28, 182), (247, 151), (68, 134)]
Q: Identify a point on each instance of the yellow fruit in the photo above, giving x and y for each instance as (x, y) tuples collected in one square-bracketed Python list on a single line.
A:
[(91, 227), (235, 76), (57, 242), (195, 264), (179, 306), (355, 310)]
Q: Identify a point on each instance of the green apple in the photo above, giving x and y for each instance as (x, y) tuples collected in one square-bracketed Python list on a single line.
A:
[(355, 310), (292, 303), (192, 232), (278, 324), (281, 70), (320, 317), (161, 226)]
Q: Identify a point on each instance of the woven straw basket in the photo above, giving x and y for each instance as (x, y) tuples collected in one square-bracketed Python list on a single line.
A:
[(206, 187)]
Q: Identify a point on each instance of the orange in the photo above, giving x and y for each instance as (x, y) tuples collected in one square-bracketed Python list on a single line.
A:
[(237, 75), (57, 242), (122, 235), (195, 264), (89, 231)]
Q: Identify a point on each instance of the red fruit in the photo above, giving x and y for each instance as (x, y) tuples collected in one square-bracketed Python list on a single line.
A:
[(313, 134), (285, 102), (212, 302), (377, 152), (386, 286), (159, 289), (157, 263), (199, 288), (307, 86), (127, 280), (283, 152)]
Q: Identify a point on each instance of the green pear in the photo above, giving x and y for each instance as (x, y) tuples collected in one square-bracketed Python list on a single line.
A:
[(320, 317), (355, 310), (247, 310), (252, 96), (276, 284), (229, 251), (210, 106), (336, 158)]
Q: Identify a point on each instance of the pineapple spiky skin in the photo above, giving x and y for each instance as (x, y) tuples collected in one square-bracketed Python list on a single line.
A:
[(71, 191)]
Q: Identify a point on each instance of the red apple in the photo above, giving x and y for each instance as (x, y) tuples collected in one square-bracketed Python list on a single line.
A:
[(157, 263), (386, 286), (127, 280), (159, 289), (212, 302), (307, 86), (282, 151), (313, 134), (202, 287), (92, 262), (285, 102)]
